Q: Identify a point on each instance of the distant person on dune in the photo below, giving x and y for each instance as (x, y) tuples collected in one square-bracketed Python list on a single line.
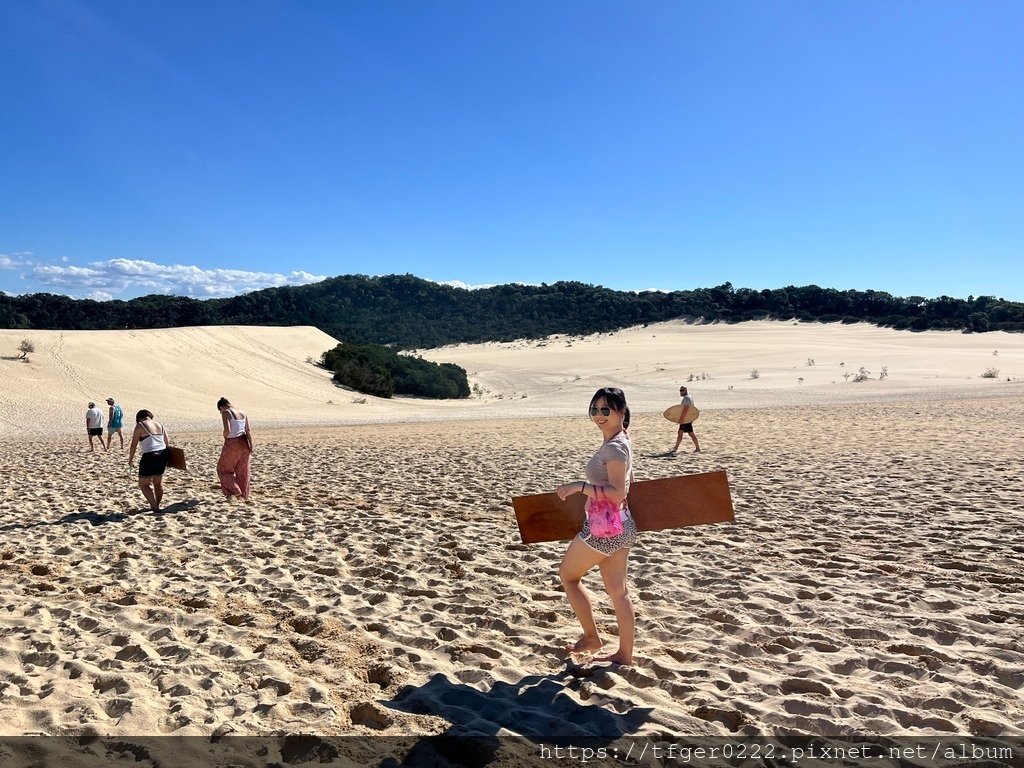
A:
[(233, 466), (687, 427), (114, 422), (94, 426), (609, 530), (152, 439)]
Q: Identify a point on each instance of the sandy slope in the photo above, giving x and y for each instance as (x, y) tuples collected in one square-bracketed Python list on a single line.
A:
[(872, 581), (179, 373), (650, 362)]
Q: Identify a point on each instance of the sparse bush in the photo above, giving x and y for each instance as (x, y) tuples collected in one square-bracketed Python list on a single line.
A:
[(755, 374), (359, 400), (26, 348), (810, 361), (990, 373), (846, 376), (861, 375), (801, 379), (690, 377), (884, 374)]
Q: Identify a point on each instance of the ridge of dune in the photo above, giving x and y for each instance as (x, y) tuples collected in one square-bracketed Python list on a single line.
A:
[(178, 373)]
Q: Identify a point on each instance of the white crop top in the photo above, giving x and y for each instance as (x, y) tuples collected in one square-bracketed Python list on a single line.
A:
[(152, 443), (236, 427)]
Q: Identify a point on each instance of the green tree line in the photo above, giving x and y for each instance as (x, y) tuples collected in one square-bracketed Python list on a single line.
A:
[(407, 312)]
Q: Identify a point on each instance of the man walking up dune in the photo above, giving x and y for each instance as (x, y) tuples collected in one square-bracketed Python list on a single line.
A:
[(114, 422), (94, 426), (686, 426)]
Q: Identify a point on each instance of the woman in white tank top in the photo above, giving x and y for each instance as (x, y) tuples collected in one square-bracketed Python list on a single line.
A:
[(151, 438), (233, 465)]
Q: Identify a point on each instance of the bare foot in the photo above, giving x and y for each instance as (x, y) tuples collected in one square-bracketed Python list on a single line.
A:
[(617, 658), (586, 644)]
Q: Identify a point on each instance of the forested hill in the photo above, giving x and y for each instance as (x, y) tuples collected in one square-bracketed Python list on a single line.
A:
[(408, 312)]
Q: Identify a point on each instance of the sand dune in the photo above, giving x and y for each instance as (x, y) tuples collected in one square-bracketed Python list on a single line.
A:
[(649, 362), (872, 582), (179, 373)]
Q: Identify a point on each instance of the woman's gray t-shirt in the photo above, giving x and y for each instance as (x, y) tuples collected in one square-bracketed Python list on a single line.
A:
[(617, 449)]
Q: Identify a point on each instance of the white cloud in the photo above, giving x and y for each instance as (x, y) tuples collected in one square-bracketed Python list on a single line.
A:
[(99, 296), (114, 276), (14, 260), (460, 284)]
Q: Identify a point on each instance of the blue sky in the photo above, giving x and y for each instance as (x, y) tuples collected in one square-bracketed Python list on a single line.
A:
[(209, 148)]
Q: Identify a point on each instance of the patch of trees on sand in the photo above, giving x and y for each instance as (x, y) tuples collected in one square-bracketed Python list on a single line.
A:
[(406, 312), (376, 370)]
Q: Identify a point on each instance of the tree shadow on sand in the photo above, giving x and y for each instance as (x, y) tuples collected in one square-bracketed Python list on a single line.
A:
[(509, 720), (102, 518)]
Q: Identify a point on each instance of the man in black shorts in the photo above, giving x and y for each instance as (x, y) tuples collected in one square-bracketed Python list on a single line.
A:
[(687, 428), (94, 425)]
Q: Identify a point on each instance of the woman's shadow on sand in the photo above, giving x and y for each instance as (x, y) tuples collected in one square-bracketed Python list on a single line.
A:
[(514, 717), (102, 518)]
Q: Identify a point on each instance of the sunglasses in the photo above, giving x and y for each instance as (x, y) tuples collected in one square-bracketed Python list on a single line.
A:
[(606, 411)]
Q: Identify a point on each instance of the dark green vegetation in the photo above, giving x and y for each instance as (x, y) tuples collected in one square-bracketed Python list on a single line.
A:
[(407, 312), (381, 371)]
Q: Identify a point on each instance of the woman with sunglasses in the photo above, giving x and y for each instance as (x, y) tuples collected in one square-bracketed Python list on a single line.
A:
[(608, 476)]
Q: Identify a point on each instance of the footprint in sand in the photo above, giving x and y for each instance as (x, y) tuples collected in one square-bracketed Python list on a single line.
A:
[(116, 684), (370, 715), (730, 718)]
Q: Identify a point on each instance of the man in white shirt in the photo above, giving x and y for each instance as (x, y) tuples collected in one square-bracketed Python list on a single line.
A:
[(94, 425), (686, 427)]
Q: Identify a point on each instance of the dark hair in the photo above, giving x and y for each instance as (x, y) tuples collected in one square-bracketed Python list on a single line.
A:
[(143, 415), (222, 403), (616, 399)]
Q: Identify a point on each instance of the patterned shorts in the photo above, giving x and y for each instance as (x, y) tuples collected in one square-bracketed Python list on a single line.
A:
[(608, 546)]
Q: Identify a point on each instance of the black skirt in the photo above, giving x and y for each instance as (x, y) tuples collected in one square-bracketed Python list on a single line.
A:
[(153, 463)]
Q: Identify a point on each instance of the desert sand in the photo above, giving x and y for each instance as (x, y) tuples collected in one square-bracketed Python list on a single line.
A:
[(376, 585)]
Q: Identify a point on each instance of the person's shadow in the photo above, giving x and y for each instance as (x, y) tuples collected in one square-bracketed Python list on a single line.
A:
[(102, 518), (516, 718)]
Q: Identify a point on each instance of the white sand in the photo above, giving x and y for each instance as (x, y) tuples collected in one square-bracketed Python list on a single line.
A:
[(375, 585), (180, 373)]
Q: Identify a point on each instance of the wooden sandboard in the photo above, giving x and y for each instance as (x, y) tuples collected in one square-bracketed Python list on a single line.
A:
[(176, 458), (675, 413), (670, 502)]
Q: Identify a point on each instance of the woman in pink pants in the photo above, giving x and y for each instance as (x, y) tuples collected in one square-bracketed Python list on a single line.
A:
[(233, 466)]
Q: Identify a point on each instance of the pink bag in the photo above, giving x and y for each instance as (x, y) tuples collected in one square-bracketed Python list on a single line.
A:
[(603, 516)]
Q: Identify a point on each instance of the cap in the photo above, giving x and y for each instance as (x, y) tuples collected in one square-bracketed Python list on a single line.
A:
[(110, 399)]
